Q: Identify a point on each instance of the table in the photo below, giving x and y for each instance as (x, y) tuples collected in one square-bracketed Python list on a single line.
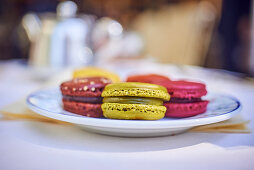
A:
[(34, 145)]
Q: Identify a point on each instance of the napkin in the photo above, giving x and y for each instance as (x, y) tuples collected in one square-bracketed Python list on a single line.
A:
[(234, 125), (19, 111)]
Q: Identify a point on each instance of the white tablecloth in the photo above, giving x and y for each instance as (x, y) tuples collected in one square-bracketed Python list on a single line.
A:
[(33, 145)]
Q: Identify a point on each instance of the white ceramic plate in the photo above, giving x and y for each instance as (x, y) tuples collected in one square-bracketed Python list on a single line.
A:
[(48, 103)]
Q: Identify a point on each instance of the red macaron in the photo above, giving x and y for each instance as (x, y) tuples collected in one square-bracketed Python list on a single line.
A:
[(83, 95), (185, 99), (148, 78)]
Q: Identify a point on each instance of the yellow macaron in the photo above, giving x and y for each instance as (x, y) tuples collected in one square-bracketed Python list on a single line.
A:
[(133, 100), (95, 72)]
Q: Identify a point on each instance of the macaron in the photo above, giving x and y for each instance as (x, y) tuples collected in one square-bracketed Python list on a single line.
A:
[(148, 78), (95, 72), (133, 100), (185, 99), (83, 95)]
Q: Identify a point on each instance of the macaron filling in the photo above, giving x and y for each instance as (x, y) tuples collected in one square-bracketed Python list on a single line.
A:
[(92, 100), (184, 100), (133, 100)]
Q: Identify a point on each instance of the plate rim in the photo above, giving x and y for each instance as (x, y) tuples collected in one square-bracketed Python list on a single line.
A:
[(132, 124)]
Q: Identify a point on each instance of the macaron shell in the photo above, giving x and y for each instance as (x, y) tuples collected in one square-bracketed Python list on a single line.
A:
[(84, 109), (148, 78), (133, 111), (95, 72), (86, 87), (136, 89), (181, 110), (185, 89)]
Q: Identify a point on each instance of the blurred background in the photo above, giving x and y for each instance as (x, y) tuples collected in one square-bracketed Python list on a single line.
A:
[(59, 34)]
